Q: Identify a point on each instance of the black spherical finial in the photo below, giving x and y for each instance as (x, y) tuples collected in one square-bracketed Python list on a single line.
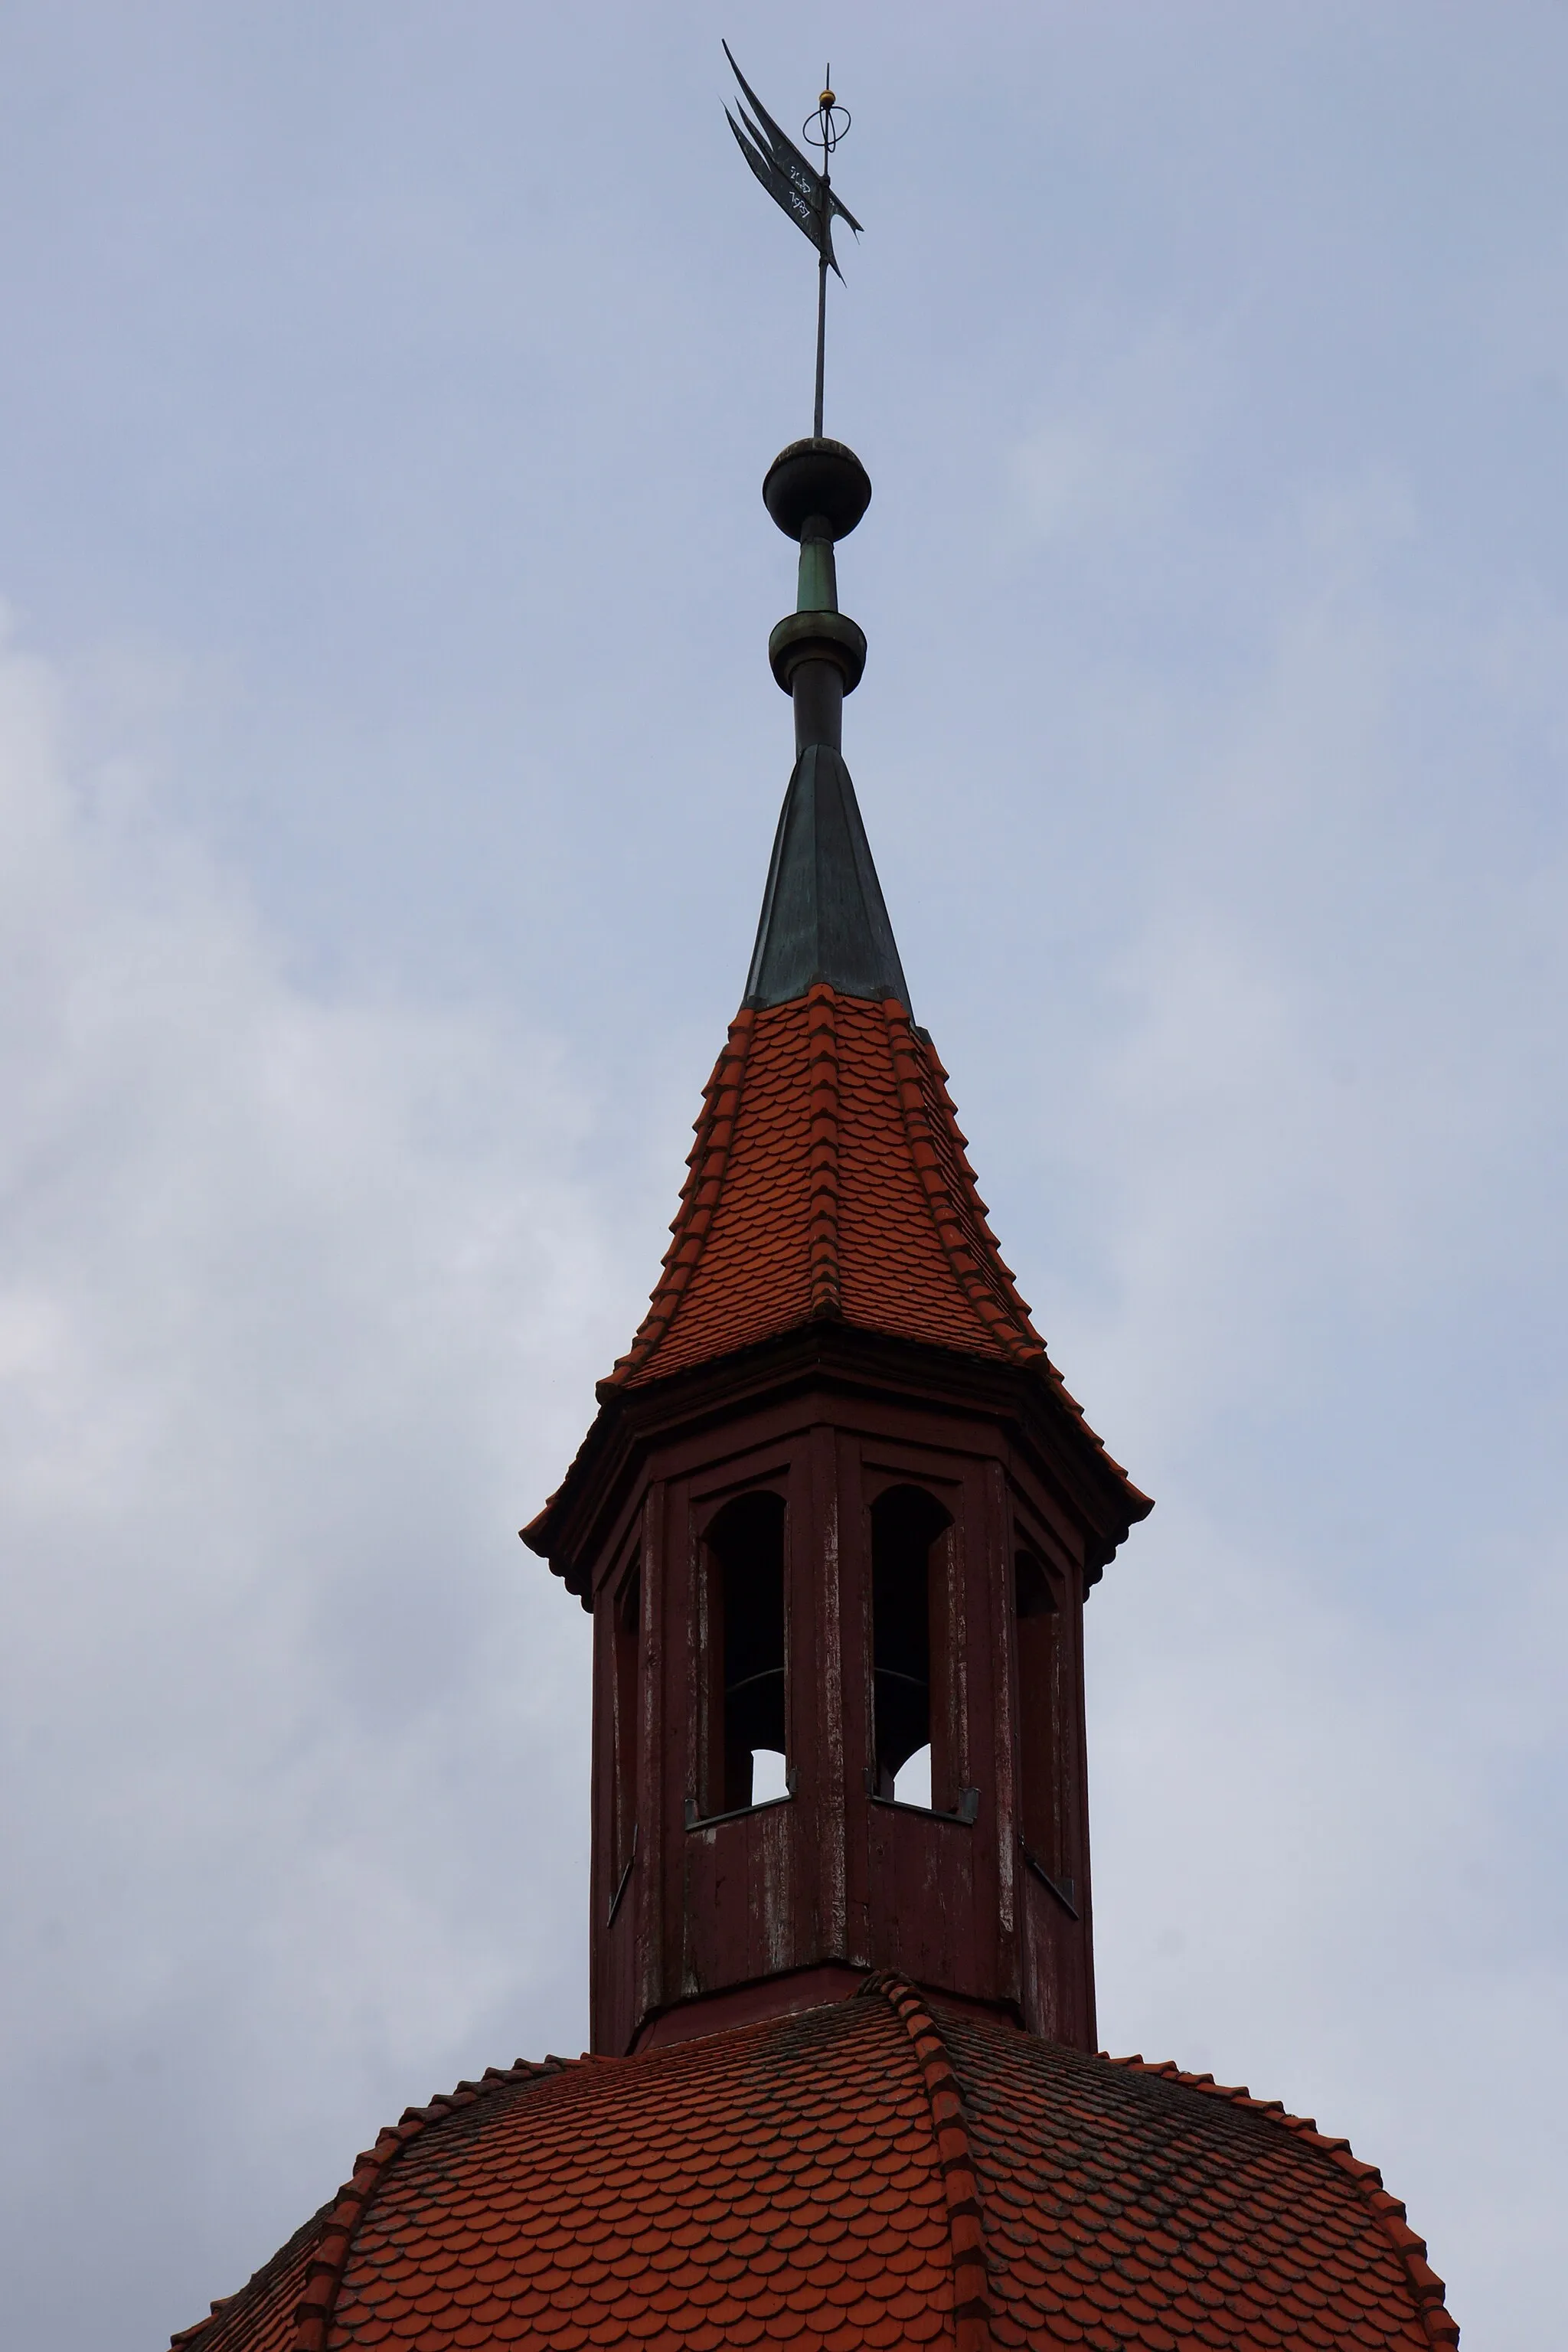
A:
[(816, 478)]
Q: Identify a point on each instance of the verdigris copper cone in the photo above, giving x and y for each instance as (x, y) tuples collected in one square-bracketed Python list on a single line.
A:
[(824, 916)]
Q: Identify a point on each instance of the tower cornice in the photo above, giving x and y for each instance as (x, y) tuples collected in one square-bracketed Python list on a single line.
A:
[(1030, 1402)]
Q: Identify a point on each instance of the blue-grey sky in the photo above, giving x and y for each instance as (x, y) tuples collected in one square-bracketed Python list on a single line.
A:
[(389, 762)]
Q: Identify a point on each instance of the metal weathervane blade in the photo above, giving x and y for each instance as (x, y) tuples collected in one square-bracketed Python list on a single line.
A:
[(796, 187)]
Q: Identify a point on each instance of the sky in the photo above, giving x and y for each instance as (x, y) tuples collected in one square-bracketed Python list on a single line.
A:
[(388, 766)]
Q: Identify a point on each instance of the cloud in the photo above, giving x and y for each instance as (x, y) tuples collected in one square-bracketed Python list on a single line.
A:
[(1112, 457), (299, 1306), (1327, 1671)]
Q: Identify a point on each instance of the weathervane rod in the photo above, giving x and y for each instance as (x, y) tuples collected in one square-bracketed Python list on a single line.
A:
[(821, 344), (798, 188), (829, 138)]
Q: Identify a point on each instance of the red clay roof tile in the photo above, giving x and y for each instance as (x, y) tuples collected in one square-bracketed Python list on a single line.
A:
[(881, 2171), (828, 1178)]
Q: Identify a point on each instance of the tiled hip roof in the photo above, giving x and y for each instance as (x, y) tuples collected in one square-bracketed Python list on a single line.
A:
[(1134, 2204), (881, 2171)]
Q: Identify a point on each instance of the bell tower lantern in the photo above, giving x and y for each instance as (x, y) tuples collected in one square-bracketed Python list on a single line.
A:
[(837, 1515)]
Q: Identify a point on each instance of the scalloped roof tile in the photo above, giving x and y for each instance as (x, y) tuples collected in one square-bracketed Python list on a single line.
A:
[(884, 2170), (828, 1179)]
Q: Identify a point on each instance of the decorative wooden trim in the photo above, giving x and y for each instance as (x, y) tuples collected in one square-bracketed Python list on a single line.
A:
[(696, 1821), (624, 1881), (1063, 1889), (966, 1813)]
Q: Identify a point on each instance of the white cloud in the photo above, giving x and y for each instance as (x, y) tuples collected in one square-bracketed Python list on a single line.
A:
[(1326, 1670), (1114, 457), (298, 1314)]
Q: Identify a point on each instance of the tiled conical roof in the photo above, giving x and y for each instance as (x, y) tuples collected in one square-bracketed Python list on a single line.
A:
[(881, 2171), (828, 1179)]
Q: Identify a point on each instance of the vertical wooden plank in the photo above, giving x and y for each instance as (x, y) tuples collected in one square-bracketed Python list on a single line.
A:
[(943, 1887), (981, 1662), (1082, 1889), (602, 2021), (960, 1566), (648, 1892), (828, 1819), (1004, 1728), (862, 1866)]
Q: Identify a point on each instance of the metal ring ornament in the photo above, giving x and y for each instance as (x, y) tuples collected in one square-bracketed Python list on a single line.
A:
[(829, 132)]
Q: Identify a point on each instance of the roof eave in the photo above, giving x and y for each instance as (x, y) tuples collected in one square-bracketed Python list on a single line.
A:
[(1030, 1394)]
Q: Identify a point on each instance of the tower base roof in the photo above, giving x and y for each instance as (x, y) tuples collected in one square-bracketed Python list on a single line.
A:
[(879, 2170)]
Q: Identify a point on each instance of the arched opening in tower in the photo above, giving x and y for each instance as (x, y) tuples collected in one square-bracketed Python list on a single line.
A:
[(747, 1734), (909, 1647)]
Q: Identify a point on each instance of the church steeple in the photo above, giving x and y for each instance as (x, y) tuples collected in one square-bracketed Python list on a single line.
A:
[(837, 1515), (836, 1519)]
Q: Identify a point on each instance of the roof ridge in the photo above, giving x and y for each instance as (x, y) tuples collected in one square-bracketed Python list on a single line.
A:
[(370, 2166), (965, 2216), (706, 1162), (313, 2312), (275, 2264), (1032, 1350), (1427, 2288), (822, 1213), (917, 1076)]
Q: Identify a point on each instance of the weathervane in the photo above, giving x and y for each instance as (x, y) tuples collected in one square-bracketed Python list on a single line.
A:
[(797, 187)]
